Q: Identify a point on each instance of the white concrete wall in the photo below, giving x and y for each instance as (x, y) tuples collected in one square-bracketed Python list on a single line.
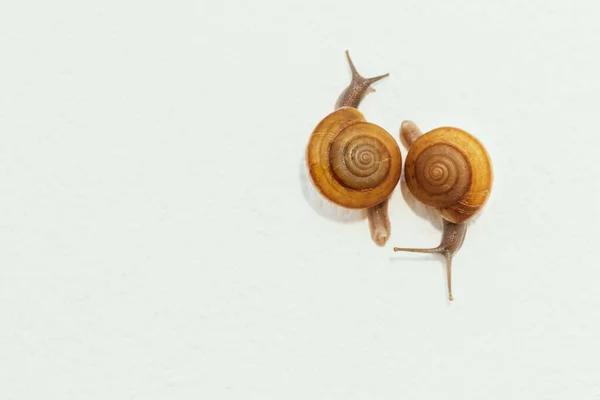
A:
[(159, 240)]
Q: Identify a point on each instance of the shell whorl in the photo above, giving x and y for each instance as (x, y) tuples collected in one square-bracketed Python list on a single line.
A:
[(359, 161), (449, 169), (353, 163), (444, 173)]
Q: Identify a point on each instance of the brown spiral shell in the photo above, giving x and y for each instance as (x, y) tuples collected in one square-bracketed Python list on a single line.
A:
[(449, 169), (353, 163)]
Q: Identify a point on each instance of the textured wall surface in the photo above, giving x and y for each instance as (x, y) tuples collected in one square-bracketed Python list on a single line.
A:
[(159, 238)]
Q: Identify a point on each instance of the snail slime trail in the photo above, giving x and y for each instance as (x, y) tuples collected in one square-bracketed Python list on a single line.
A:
[(449, 169), (354, 163)]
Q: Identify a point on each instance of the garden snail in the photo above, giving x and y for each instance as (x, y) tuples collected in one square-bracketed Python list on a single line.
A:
[(449, 169), (354, 163)]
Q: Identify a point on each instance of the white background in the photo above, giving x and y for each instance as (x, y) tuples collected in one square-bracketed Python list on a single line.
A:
[(158, 239)]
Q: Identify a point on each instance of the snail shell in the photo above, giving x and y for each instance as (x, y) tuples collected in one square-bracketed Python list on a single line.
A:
[(351, 162), (449, 169)]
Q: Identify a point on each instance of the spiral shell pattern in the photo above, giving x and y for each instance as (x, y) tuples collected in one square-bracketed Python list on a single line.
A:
[(449, 169), (443, 172), (353, 163)]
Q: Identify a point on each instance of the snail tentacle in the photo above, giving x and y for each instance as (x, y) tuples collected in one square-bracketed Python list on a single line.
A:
[(358, 88), (453, 237)]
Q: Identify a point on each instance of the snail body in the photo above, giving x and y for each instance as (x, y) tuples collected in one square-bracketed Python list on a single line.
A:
[(449, 169), (354, 163)]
